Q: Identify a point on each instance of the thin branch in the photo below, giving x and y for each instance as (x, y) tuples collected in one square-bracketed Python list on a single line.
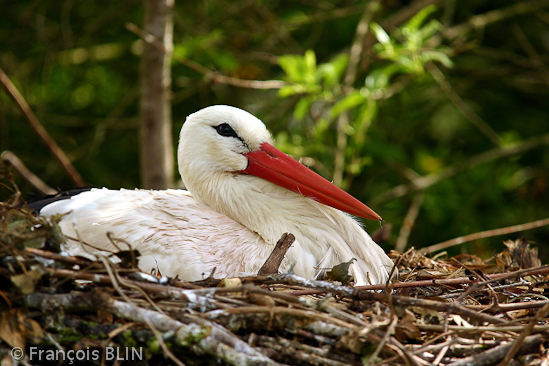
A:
[(495, 354), (528, 329), (408, 223), (350, 76), (27, 175), (463, 107), (484, 234), (482, 20), (440, 282), (390, 331), (485, 157), (277, 255), (39, 129), (140, 311), (210, 75), (359, 293)]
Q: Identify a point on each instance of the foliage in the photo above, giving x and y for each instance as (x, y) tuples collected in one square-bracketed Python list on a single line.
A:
[(77, 65)]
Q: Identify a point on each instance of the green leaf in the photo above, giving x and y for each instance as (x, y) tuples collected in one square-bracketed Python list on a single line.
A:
[(310, 62), (380, 34), (429, 29), (291, 66), (437, 56), (302, 108), (350, 101), (413, 24)]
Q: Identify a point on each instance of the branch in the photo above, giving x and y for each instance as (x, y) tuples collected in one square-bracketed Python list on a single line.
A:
[(40, 130), (462, 106), (31, 178), (484, 234), (209, 74), (408, 223), (497, 353), (485, 157), (439, 282), (528, 329), (483, 20), (358, 293), (350, 76), (277, 255), (206, 336)]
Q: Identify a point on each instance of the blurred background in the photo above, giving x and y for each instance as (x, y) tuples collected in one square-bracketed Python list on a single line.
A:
[(434, 113)]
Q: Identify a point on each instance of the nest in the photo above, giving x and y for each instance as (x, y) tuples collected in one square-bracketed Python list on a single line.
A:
[(58, 309)]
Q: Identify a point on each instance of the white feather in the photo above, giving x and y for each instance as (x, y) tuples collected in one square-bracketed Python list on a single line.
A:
[(227, 220)]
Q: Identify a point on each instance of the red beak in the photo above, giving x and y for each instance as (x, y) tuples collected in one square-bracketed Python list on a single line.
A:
[(273, 165)]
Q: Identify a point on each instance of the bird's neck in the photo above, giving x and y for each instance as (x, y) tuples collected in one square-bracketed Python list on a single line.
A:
[(326, 235)]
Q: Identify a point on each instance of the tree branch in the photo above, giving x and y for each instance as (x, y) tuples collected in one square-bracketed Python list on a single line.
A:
[(484, 234), (39, 129), (209, 74), (486, 157), (277, 255), (31, 178), (408, 223), (350, 76)]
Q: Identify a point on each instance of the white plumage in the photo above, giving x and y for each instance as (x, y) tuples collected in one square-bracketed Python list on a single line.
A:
[(228, 218)]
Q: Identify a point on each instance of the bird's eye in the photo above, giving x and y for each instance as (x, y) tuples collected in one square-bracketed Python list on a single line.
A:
[(225, 130)]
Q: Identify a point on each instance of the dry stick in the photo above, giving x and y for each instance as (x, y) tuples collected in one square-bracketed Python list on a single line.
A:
[(61, 258), (485, 157), (207, 337), (542, 313), (158, 336), (272, 263), (390, 330), (31, 178), (279, 310), (356, 293), (482, 20), (495, 354), (111, 336), (350, 76), (162, 290), (40, 130), (463, 107), (409, 220), (484, 234), (441, 282), (483, 328), (209, 74)]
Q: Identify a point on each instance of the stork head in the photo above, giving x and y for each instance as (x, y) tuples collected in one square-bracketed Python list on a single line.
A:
[(222, 139)]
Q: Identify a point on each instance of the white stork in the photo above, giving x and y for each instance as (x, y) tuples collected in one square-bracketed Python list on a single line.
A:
[(243, 194)]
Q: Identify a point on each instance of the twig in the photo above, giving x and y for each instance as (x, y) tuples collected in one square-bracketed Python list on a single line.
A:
[(206, 338), (480, 329), (58, 257), (441, 282), (40, 130), (209, 74), (463, 107), (495, 354), (408, 223), (358, 294), (27, 175), (277, 255), (485, 157), (350, 76), (527, 330), (278, 310), (484, 234), (390, 331), (482, 20), (135, 308)]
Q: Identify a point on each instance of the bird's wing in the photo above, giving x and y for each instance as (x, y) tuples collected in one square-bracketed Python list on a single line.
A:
[(174, 233)]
